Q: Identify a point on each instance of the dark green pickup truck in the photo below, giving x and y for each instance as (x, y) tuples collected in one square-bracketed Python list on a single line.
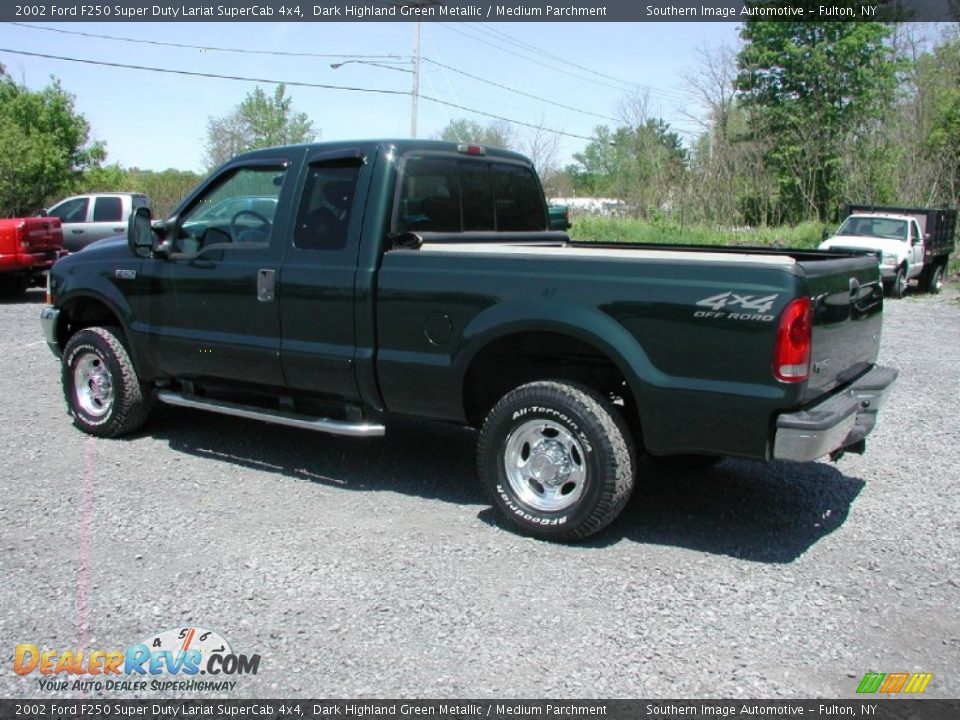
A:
[(330, 286)]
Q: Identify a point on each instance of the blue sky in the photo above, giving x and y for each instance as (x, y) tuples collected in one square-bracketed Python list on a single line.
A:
[(151, 120)]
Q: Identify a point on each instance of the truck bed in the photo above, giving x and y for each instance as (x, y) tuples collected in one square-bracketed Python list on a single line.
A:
[(697, 323)]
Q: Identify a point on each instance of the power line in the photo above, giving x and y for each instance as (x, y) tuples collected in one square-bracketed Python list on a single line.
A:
[(291, 83), (477, 78), (486, 28), (620, 88), (517, 92), (185, 46), (194, 73)]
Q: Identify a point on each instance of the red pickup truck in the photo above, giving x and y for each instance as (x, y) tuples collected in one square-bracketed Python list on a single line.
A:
[(28, 248)]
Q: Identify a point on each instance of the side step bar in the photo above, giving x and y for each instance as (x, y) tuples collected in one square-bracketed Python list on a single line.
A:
[(334, 427)]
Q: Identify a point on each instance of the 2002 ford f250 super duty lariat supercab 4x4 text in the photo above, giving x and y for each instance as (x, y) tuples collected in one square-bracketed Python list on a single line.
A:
[(418, 278)]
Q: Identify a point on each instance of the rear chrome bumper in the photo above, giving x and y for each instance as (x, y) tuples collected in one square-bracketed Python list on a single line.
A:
[(842, 420), (48, 321)]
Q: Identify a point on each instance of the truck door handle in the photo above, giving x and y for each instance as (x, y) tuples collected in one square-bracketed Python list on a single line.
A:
[(266, 284), (77, 232)]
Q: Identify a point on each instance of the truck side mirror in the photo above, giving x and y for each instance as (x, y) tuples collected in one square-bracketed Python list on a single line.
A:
[(824, 235), (140, 235)]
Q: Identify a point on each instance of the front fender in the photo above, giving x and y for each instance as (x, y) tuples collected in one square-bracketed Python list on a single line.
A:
[(94, 287)]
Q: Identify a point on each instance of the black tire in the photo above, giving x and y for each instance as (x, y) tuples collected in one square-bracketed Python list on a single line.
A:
[(112, 401), (897, 287), (933, 280), (581, 476)]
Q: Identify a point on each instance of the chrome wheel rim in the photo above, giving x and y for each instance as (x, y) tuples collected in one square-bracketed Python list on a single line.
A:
[(545, 465), (93, 385)]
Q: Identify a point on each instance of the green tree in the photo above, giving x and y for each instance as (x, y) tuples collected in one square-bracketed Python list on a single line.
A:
[(165, 188), (810, 88), (46, 147), (939, 77), (642, 165), (259, 121), (462, 130)]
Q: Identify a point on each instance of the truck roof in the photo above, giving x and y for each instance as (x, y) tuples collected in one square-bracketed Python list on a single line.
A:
[(892, 216), (402, 145)]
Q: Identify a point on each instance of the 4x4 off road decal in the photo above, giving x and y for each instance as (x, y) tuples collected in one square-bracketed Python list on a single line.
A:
[(733, 306)]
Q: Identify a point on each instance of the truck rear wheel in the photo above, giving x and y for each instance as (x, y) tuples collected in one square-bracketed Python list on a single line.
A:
[(556, 459), (101, 388), (932, 281)]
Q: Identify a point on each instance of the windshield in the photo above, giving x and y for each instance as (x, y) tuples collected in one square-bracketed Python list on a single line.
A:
[(886, 228)]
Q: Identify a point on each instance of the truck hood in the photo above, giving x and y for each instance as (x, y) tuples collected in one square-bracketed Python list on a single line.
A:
[(107, 249), (891, 247)]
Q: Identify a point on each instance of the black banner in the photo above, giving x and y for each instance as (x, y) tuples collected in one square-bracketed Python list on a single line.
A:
[(467, 10), (872, 708)]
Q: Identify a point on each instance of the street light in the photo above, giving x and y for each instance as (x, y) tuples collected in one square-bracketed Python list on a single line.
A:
[(415, 92)]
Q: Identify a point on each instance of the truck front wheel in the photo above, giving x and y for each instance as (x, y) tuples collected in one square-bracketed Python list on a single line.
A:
[(897, 287), (101, 388), (557, 460)]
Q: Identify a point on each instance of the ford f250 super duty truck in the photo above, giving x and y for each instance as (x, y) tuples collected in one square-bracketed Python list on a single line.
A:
[(909, 243), (418, 278)]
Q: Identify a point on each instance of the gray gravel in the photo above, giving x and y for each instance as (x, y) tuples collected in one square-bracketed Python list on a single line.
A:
[(376, 568)]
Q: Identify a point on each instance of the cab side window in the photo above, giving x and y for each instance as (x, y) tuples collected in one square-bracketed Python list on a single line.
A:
[(71, 211), (107, 209), (240, 209), (323, 219)]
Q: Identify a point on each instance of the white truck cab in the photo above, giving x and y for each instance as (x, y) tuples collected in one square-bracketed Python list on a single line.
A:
[(912, 244)]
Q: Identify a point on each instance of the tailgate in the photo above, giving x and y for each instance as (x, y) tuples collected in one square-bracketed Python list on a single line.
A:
[(847, 298), (42, 234)]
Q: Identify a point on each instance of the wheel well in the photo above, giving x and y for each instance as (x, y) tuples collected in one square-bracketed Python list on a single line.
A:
[(514, 360), (83, 312)]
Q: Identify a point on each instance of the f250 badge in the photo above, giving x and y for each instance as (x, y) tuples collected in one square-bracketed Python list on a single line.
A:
[(755, 308)]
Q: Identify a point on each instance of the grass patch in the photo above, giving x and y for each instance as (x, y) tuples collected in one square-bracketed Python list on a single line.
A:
[(589, 227)]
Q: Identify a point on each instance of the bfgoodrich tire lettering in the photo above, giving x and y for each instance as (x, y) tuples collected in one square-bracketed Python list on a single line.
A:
[(556, 460), (101, 388)]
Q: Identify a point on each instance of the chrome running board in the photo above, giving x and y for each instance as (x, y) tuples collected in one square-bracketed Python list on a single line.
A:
[(334, 427)]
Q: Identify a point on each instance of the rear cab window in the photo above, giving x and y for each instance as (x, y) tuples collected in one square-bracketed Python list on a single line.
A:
[(450, 194), (323, 217)]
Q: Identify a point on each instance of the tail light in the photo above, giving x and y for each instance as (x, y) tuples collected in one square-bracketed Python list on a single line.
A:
[(791, 356)]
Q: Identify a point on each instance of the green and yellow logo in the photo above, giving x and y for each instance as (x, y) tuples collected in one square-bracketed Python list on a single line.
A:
[(894, 683)]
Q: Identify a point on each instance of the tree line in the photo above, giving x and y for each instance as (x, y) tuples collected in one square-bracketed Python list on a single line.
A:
[(802, 119), (798, 120)]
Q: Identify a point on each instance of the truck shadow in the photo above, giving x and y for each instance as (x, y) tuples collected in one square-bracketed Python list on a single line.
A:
[(33, 296), (769, 513), (762, 512)]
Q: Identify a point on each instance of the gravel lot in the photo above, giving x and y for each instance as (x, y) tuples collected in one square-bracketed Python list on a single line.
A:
[(375, 567)]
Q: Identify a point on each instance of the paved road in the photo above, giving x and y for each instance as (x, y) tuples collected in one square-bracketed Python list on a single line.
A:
[(375, 567)]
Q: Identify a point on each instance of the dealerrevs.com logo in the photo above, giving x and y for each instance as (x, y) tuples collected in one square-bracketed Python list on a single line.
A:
[(169, 660)]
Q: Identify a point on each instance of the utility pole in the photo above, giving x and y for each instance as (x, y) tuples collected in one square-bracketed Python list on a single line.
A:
[(415, 93)]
